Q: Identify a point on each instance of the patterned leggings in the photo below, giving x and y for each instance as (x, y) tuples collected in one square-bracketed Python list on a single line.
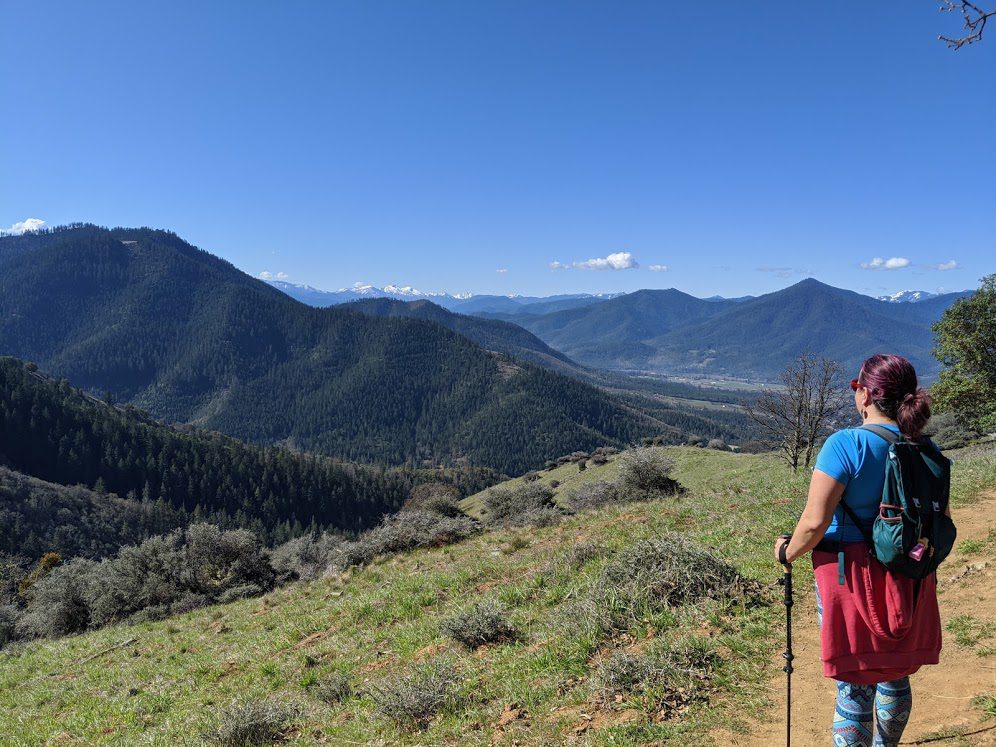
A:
[(887, 703)]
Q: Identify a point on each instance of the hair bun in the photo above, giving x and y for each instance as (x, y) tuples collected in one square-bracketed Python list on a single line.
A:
[(909, 398)]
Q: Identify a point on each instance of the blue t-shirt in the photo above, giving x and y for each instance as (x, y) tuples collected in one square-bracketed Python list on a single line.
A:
[(856, 458)]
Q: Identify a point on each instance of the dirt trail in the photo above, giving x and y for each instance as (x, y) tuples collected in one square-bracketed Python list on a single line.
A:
[(942, 694)]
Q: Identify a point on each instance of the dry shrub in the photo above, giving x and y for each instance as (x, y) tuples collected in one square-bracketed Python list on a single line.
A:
[(483, 623), (671, 678), (305, 557), (413, 699), (595, 495), (581, 553), (647, 471), (403, 531), (252, 722), (655, 574), (529, 504), (333, 689)]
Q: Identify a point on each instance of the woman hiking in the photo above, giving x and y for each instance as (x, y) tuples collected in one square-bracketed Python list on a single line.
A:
[(877, 627)]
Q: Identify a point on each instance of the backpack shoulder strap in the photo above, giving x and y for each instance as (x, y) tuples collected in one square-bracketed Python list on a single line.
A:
[(857, 522), (883, 432)]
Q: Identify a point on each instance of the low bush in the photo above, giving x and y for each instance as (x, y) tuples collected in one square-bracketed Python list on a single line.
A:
[(546, 516), (413, 699), (436, 497), (647, 471), (595, 495), (162, 576), (58, 603), (9, 615), (656, 574), (405, 530), (718, 443), (583, 552), (304, 557), (486, 622), (333, 689), (509, 506), (671, 677), (252, 722)]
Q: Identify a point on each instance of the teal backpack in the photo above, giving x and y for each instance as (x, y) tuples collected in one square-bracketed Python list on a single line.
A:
[(912, 533)]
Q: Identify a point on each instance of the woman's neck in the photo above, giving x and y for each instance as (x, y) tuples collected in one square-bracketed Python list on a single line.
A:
[(877, 418)]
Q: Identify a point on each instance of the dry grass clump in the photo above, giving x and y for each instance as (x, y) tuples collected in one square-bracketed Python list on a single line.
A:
[(528, 504), (581, 553), (595, 495), (670, 680), (647, 472), (656, 574), (506, 506), (333, 689), (486, 622), (252, 722), (413, 699), (406, 530)]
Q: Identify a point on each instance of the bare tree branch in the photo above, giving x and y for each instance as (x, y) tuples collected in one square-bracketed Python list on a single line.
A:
[(975, 21), (797, 415)]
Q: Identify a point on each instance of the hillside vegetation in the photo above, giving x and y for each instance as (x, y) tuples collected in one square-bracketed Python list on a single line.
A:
[(167, 327), (391, 653), (54, 432)]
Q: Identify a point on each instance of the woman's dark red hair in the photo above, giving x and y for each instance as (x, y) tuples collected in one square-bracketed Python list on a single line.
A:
[(892, 382)]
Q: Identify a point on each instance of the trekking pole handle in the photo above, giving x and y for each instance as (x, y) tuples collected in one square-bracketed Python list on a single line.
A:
[(782, 552)]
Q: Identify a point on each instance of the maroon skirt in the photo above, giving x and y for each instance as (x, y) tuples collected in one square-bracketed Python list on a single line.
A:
[(878, 626)]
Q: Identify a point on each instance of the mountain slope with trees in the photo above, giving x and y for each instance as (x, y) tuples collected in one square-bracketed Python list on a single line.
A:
[(160, 324), (674, 333), (500, 336), (135, 477)]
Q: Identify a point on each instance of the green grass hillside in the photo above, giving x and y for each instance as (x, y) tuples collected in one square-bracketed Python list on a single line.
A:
[(557, 678)]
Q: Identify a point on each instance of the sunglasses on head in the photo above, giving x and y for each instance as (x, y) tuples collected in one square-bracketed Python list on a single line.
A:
[(855, 384)]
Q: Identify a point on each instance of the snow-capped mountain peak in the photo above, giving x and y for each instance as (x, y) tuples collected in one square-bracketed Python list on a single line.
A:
[(907, 296)]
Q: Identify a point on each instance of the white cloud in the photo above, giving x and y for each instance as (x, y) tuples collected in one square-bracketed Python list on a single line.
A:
[(502, 270), (615, 261), (892, 263), (267, 275), (24, 226), (944, 266), (658, 268)]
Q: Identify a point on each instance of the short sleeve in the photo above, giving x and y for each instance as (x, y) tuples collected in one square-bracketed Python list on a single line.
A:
[(837, 457)]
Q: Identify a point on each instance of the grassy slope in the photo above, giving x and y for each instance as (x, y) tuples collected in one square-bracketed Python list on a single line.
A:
[(168, 686)]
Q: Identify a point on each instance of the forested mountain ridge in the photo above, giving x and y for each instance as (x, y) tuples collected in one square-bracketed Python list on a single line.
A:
[(673, 333), (172, 329), (51, 431), (500, 336), (614, 333)]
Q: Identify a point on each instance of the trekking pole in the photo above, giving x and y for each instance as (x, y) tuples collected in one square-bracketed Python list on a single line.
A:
[(786, 581)]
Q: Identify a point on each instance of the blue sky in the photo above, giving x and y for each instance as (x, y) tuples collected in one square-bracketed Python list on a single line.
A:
[(466, 146)]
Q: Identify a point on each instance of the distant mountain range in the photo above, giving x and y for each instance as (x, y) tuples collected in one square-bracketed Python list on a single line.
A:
[(469, 303), (670, 332), (464, 303), (183, 334)]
